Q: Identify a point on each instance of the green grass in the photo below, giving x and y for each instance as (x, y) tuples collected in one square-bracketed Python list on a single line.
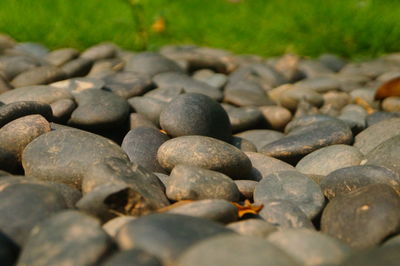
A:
[(351, 28)]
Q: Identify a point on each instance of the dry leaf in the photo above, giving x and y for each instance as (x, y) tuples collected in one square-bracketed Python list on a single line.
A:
[(163, 131), (364, 104), (388, 89), (159, 25), (247, 207)]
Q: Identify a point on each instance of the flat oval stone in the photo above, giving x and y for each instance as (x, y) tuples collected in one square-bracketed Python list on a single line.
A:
[(310, 247), (291, 98), (195, 114), (166, 94), (141, 146), (13, 65), (62, 109), (307, 120), (100, 51), (43, 94), (391, 104), (386, 154), (194, 183), (133, 256), (277, 117), (128, 84), (246, 188), (319, 84), (388, 256), (249, 251), (64, 155), (305, 140), (114, 225), (12, 111), (38, 75), (217, 210), (291, 186), (149, 107), (373, 136), (98, 109), (243, 144), (151, 63), (348, 179), (252, 227), (261, 137), (138, 120), (284, 214), (354, 116), (77, 68), (243, 118), (379, 116), (374, 209), (61, 56), (245, 97), (264, 165), (169, 239), (204, 152), (24, 205), (328, 159), (74, 239)]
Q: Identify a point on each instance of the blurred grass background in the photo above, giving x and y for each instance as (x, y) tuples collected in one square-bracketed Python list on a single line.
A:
[(351, 28)]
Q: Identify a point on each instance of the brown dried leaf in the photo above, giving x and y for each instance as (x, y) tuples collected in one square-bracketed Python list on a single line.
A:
[(388, 89)]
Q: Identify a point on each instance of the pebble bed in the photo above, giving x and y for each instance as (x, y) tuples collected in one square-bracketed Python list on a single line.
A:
[(196, 156)]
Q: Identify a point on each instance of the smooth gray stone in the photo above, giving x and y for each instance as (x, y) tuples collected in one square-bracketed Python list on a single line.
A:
[(373, 136), (284, 214), (105, 67), (217, 80), (354, 116), (4, 85), (246, 251), (64, 155), (292, 98), (348, 179), (310, 247), (43, 94), (62, 109), (8, 249), (264, 165), (138, 120), (100, 51), (386, 154), (246, 188), (73, 239), (135, 256), (15, 110), (151, 63), (76, 85), (276, 117), (259, 73), (388, 256), (379, 116), (194, 183), (22, 206), (61, 56), (128, 84), (195, 114), (313, 68), (307, 120), (12, 66), (243, 118), (243, 144), (98, 109), (33, 49), (328, 159), (374, 209), (252, 227), (217, 210), (114, 225), (261, 137), (37, 76), (305, 140), (166, 94), (319, 84), (332, 61), (205, 152), (78, 67), (141, 146), (149, 107), (169, 238), (240, 94), (291, 186), (188, 84)]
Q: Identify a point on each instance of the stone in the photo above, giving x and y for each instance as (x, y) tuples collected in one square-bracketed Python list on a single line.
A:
[(204, 152), (328, 159), (78, 67), (374, 209), (138, 120), (148, 107), (151, 63), (141, 146), (319, 84), (277, 117), (305, 140), (310, 247), (11, 66), (291, 98), (169, 239), (8, 249), (43, 94), (37, 76), (243, 118), (100, 51), (370, 257), (332, 62), (391, 104), (347, 179), (259, 73), (294, 187), (188, 84), (313, 68), (15, 110), (373, 136), (249, 251), (244, 94), (354, 116), (217, 210), (166, 94), (194, 183), (264, 165), (98, 109), (307, 120), (128, 84), (243, 144), (260, 137), (104, 68), (73, 238), (252, 227), (114, 225), (217, 80), (4, 85), (61, 56), (62, 109), (195, 114), (246, 188), (32, 49), (284, 214), (379, 116), (386, 154), (76, 85), (65, 155), (23, 206), (133, 256)]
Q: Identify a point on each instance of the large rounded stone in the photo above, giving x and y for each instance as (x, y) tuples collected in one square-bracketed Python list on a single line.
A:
[(204, 152), (386, 154), (38, 75), (44, 94), (292, 186), (194, 183), (64, 155), (195, 114), (12, 111), (363, 217)]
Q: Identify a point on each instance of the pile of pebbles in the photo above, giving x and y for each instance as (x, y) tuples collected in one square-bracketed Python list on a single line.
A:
[(110, 157)]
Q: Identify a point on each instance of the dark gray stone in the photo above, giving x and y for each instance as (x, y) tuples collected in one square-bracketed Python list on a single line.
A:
[(38, 75), (166, 94), (151, 63), (77, 68), (195, 114), (243, 144), (252, 227), (149, 107), (374, 209), (292, 98), (138, 120), (135, 256), (386, 154), (243, 118), (62, 109), (354, 116), (332, 61), (128, 84), (43, 94), (194, 183), (61, 56), (73, 239), (15, 110), (319, 84), (100, 51), (246, 188), (261, 137), (242, 94), (12, 66), (307, 120), (264, 165), (204, 152), (258, 73), (379, 116)]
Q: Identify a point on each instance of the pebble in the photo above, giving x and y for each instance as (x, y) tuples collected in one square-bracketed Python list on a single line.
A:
[(260, 137), (148, 107), (138, 120), (319, 84), (277, 117), (62, 110), (243, 144), (77, 68), (133, 256), (12, 66), (15, 110), (264, 165), (379, 116), (114, 225), (388, 256), (374, 209), (166, 94), (354, 116), (75, 85), (243, 118), (246, 94), (128, 84), (37, 76), (43, 94), (100, 51), (61, 56), (150, 63), (391, 104), (205, 152), (386, 154), (246, 188), (252, 227)]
